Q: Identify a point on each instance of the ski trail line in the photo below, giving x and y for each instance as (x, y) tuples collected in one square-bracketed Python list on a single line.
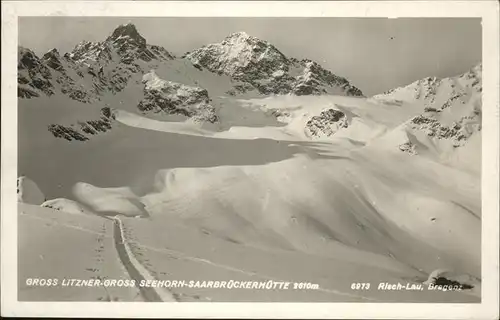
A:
[(135, 269)]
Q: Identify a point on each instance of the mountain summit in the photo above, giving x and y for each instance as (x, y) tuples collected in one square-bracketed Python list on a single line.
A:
[(125, 44), (127, 31), (242, 57), (262, 67), (91, 69)]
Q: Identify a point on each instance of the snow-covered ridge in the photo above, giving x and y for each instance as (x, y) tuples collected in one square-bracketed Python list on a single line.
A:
[(66, 205), (451, 111), (427, 89)]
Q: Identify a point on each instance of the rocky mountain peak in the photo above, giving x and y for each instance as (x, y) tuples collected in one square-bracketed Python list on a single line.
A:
[(127, 33), (54, 52), (242, 38), (240, 56), (264, 68), (91, 69), (240, 34), (125, 44)]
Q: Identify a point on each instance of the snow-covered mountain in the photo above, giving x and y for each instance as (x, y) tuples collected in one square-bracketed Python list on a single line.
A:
[(110, 73), (255, 63), (78, 73), (124, 44), (452, 111), (261, 66)]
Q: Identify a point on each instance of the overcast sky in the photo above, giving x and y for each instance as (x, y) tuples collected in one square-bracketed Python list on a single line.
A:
[(375, 54)]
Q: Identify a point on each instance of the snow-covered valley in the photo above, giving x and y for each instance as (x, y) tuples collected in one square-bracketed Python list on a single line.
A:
[(235, 162)]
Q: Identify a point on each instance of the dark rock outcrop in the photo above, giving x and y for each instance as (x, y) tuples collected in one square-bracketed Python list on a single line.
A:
[(175, 98), (86, 129), (326, 124)]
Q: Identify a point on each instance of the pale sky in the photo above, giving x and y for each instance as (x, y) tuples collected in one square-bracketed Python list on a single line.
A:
[(359, 49)]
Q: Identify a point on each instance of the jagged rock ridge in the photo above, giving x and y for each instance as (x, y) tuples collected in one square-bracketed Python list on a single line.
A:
[(85, 129), (106, 65)]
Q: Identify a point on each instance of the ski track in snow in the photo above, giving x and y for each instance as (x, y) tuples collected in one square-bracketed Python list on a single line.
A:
[(134, 268), (128, 260)]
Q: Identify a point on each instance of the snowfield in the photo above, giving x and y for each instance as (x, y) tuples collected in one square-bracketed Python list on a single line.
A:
[(330, 190), (341, 201)]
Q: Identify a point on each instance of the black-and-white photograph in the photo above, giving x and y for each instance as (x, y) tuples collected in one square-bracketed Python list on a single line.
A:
[(339, 157), (249, 159)]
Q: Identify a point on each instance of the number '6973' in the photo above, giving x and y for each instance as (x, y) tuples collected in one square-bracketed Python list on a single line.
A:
[(360, 286)]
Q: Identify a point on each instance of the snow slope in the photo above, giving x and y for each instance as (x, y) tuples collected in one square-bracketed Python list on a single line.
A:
[(109, 200)]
